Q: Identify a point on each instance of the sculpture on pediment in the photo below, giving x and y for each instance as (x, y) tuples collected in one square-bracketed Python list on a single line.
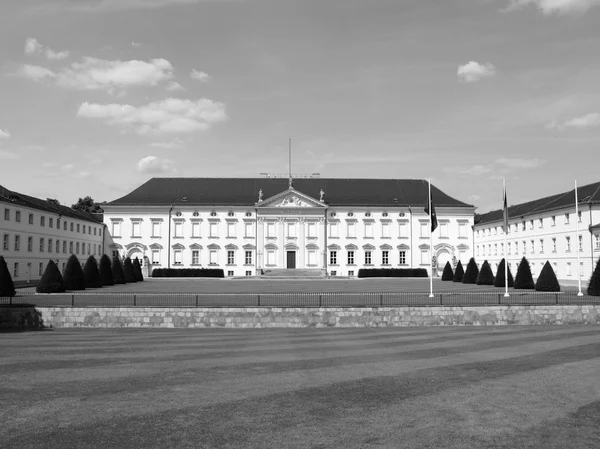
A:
[(321, 194), (260, 195)]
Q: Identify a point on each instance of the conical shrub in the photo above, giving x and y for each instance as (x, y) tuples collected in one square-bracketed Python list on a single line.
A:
[(74, 278), (470, 276), (51, 281), (485, 276), (137, 270), (105, 270), (499, 281), (7, 287), (523, 279), (447, 275), (128, 271), (594, 284), (91, 273), (547, 282), (458, 273), (117, 271)]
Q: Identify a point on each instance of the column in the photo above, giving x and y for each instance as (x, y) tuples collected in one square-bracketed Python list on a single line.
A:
[(301, 243)]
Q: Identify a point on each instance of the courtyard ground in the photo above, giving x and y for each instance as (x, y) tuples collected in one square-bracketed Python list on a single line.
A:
[(506, 387)]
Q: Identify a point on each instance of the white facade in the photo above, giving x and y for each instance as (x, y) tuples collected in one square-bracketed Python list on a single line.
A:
[(32, 236), (288, 230), (544, 236)]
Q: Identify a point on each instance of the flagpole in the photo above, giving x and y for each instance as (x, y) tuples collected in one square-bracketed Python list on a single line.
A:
[(506, 295), (577, 240), (430, 241)]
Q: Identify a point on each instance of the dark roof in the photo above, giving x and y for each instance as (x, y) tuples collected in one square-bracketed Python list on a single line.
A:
[(244, 192), (588, 194), (48, 205)]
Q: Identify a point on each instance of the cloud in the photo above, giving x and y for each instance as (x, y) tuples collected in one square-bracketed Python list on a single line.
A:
[(153, 165), (32, 47), (100, 74), (169, 145), (170, 116), (520, 162), (586, 121), (4, 134), (5, 155), (173, 86), (472, 71), (203, 77), (560, 7), (119, 5), (473, 170), (135, 44)]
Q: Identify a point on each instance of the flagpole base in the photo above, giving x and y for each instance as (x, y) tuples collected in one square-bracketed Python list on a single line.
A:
[(431, 295), (506, 295), (579, 293)]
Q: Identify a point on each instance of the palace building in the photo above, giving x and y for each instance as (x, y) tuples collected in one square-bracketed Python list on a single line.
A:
[(250, 225)]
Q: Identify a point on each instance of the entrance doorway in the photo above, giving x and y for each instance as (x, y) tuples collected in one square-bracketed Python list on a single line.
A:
[(291, 259)]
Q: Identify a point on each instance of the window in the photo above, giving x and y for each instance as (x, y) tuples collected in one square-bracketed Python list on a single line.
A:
[(230, 230), (569, 272), (95, 229), (403, 230), (249, 229), (553, 220), (351, 273), (65, 225), (72, 228), (541, 223), (41, 245), (477, 250), (425, 257), (368, 258), (553, 244), (568, 239), (50, 222), (155, 256), (42, 221), (351, 230), (64, 264), (71, 249), (334, 273), (424, 229), (533, 247), (7, 214), (18, 216), (495, 249), (230, 257), (116, 228), (385, 230), (516, 227), (40, 269), (579, 216), (29, 243), (64, 245), (524, 247), (566, 218), (541, 245), (597, 241), (57, 246), (248, 257), (17, 243), (213, 257), (49, 245), (350, 257), (333, 230), (270, 257), (462, 230), (155, 228), (291, 230), (531, 224), (16, 270), (78, 227), (312, 257), (77, 248), (230, 272), (368, 230), (312, 229), (332, 257), (30, 219), (385, 257), (523, 226), (136, 229), (178, 229), (195, 229), (270, 229), (516, 247), (214, 230), (402, 257), (580, 243), (5, 242)]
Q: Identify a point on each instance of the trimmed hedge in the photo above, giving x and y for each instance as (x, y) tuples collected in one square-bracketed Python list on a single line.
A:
[(499, 281), (485, 276), (117, 271), (188, 273), (447, 275), (470, 276), (392, 273), (105, 270), (7, 287), (91, 273), (73, 277), (594, 284), (51, 281), (524, 279), (128, 271), (547, 281), (137, 270), (458, 273)]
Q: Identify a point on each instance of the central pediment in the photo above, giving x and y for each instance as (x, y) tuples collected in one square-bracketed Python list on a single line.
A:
[(291, 199)]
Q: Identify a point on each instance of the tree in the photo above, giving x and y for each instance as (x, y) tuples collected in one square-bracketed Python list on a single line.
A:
[(87, 204), (74, 278), (547, 282), (470, 276), (7, 287), (91, 273), (594, 284), (105, 270), (523, 279), (447, 275), (117, 271), (485, 276), (128, 271), (137, 270), (458, 273), (499, 281), (51, 281)]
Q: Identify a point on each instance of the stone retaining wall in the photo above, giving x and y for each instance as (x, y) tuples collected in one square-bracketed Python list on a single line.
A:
[(262, 317)]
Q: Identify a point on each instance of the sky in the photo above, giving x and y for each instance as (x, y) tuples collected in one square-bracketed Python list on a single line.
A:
[(98, 96)]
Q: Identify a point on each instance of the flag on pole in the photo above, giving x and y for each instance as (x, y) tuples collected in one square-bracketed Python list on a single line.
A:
[(505, 211), (432, 215)]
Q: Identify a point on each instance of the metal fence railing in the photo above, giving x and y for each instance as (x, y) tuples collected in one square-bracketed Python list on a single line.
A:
[(296, 299)]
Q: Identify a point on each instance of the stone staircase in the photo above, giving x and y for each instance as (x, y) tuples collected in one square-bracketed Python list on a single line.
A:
[(293, 273)]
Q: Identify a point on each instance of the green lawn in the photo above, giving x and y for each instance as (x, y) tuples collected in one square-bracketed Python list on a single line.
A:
[(508, 387)]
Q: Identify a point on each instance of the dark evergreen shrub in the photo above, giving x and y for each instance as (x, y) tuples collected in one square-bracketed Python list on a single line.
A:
[(594, 284), (188, 273), (117, 271), (91, 273), (523, 279), (106, 276), (458, 273), (128, 271), (73, 277), (393, 273), (470, 276), (447, 275), (499, 281), (547, 281), (485, 276), (51, 281), (7, 287), (137, 270)]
